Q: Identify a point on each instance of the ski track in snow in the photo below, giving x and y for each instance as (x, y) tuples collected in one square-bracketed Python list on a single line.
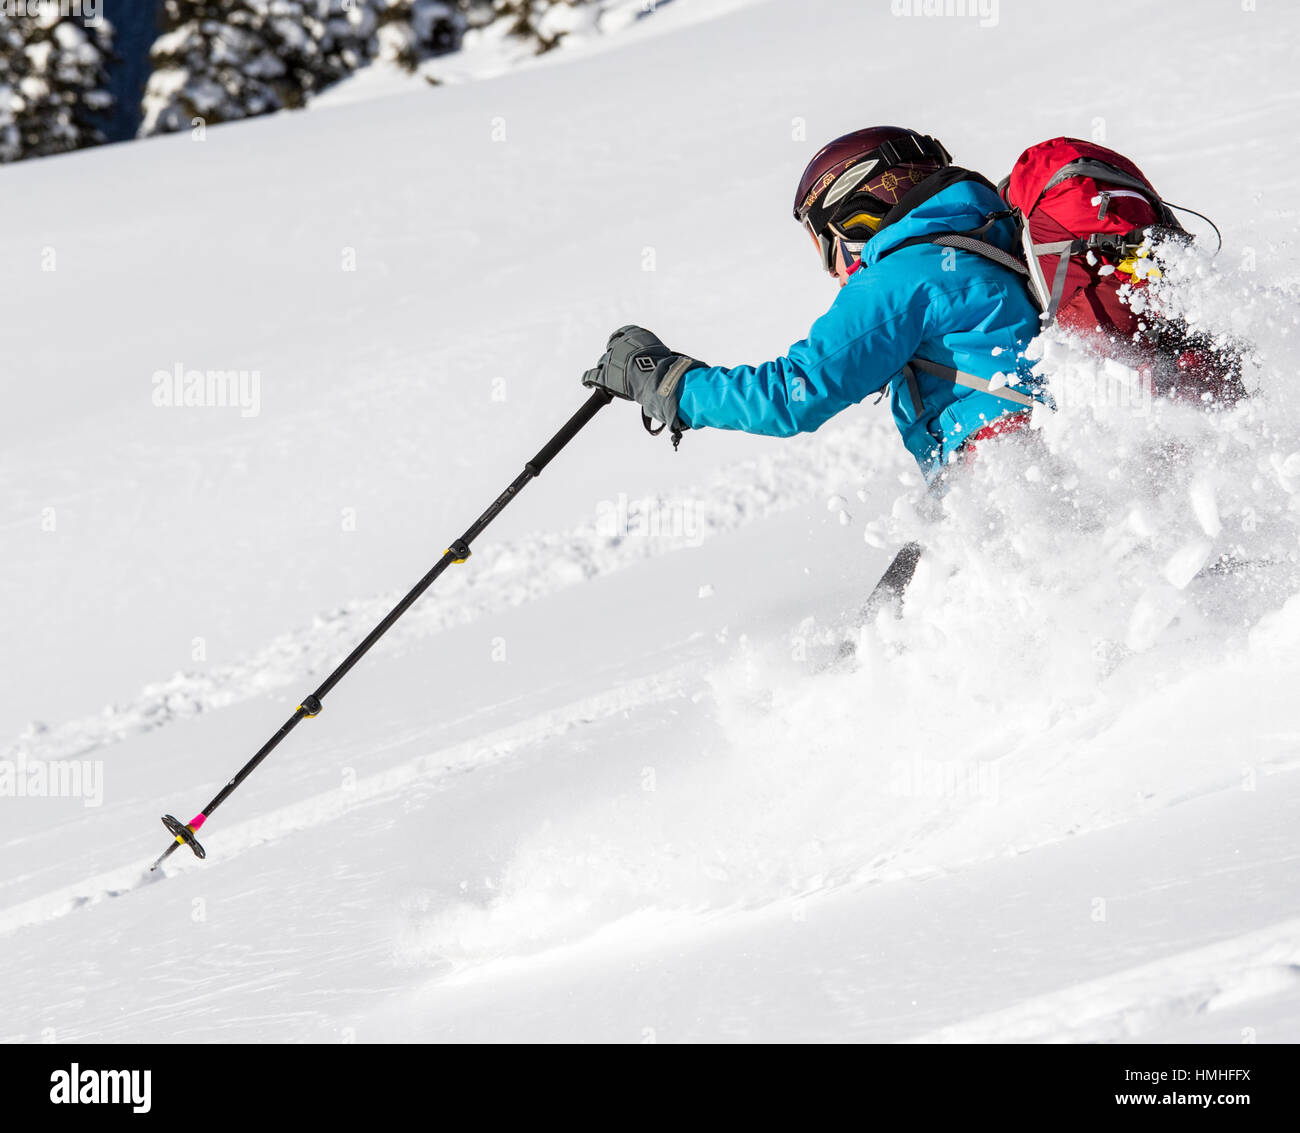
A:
[(1252, 966), (500, 576), (232, 841)]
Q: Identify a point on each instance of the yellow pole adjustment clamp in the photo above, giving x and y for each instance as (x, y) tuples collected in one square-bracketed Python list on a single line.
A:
[(459, 549), (310, 707)]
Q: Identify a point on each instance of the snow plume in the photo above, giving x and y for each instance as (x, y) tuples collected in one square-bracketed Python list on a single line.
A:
[(1121, 522), (1103, 599)]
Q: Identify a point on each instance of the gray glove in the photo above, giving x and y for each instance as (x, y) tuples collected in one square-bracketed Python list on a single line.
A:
[(638, 367)]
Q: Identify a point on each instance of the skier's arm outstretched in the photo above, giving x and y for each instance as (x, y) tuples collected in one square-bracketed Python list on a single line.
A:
[(852, 351)]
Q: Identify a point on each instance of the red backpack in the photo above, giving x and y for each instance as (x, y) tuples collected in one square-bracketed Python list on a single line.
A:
[(1085, 212), (1088, 218)]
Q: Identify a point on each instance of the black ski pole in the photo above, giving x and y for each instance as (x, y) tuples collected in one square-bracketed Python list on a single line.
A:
[(183, 833)]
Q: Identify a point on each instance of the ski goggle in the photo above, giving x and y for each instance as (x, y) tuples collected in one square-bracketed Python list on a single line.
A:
[(852, 233)]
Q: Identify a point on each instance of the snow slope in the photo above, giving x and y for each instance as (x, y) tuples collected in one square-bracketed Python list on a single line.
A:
[(604, 782)]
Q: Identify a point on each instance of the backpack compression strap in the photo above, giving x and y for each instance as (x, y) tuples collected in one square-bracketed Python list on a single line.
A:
[(1114, 245), (1104, 171), (1106, 243)]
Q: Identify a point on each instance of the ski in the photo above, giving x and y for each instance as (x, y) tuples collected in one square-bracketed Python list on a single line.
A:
[(894, 582)]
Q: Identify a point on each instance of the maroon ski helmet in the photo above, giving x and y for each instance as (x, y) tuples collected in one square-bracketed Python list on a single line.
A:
[(853, 181)]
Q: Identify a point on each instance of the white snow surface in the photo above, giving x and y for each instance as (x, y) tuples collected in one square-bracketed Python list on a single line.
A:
[(607, 781)]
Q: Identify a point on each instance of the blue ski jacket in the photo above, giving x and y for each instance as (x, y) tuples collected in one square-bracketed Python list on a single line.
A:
[(952, 307)]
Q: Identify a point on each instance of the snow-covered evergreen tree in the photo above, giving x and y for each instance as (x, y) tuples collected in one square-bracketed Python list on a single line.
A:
[(411, 30), (52, 79), (543, 23), (221, 60)]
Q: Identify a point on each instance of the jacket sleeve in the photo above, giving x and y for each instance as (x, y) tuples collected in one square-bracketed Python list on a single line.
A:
[(871, 330)]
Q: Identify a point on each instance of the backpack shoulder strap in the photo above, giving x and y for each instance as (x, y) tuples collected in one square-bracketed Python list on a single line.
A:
[(971, 240), (969, 243)]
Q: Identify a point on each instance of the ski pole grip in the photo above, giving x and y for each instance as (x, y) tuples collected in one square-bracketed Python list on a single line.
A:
[(571, 428)]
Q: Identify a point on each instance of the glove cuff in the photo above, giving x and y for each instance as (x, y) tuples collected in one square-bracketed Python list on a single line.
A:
[(661, 398)]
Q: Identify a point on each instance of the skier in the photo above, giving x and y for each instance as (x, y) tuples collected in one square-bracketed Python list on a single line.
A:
[(939, 328)]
